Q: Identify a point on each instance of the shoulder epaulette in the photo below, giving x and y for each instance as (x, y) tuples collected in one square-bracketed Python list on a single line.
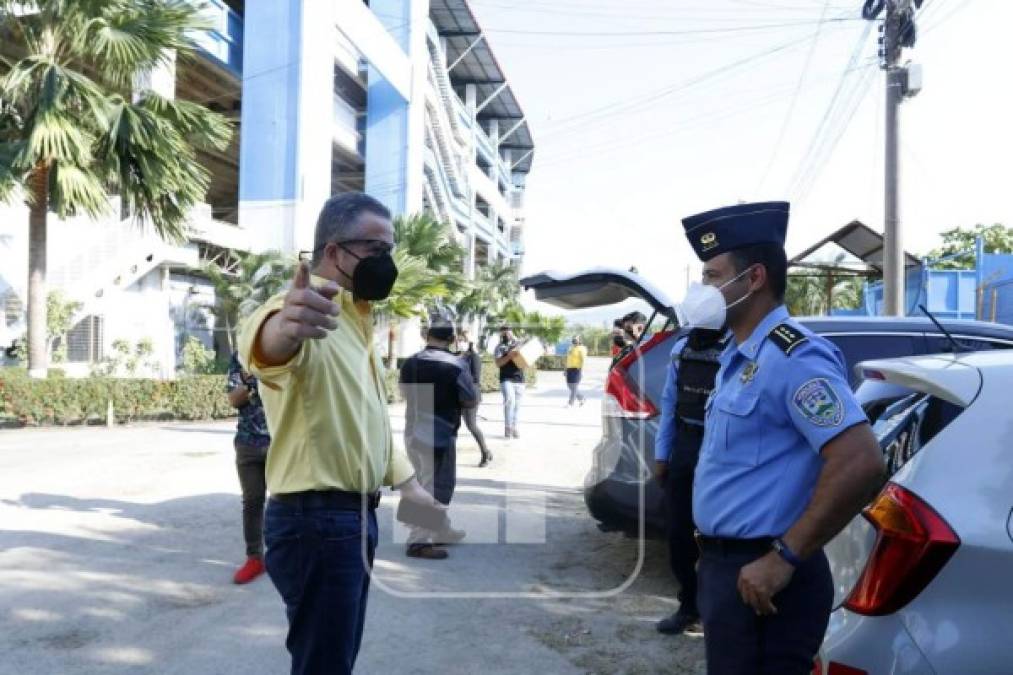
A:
[(787, 338)]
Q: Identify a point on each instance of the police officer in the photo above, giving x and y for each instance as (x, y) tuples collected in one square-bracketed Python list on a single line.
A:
[(788, 457), (689, 383)]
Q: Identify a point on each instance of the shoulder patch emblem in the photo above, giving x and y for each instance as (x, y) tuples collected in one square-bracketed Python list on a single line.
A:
[(787, 338), (819, 403)]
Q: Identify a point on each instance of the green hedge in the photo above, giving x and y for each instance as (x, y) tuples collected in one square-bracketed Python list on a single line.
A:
[(82, 401), (552, 362)]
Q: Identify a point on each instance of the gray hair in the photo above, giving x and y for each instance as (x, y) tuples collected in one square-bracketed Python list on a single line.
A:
[(338, 218)]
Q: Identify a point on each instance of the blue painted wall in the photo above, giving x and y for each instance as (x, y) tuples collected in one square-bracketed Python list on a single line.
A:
[(269, 139), (387, 118)]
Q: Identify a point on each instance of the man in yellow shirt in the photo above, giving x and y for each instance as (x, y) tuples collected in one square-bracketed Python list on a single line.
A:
[(324, 394), (575, 368)]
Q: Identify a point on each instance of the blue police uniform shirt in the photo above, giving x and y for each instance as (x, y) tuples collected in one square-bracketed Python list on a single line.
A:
[(769, 417), (664, 440)]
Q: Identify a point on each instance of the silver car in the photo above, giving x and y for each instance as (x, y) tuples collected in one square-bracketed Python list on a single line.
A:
[(925, 576)]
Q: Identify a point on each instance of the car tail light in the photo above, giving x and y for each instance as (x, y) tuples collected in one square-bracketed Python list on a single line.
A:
[(623, 397), (834, 668), (913, 543)]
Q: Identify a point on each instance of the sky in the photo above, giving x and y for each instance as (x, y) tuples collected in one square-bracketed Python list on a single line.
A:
[(647, 111)]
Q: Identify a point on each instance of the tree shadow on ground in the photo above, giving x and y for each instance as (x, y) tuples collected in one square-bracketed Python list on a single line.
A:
[(105, 585)]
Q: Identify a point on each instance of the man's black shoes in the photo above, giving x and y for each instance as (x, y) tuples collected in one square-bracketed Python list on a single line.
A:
[(680, 623)]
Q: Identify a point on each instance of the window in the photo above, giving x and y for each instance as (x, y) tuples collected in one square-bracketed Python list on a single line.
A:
[(940, 344), (85, 340), (858, 347), (907, 422), (13, 309)]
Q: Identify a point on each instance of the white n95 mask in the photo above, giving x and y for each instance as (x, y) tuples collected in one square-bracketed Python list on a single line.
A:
[(704, 306)]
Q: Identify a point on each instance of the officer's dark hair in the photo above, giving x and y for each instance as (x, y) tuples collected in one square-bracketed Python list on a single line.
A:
[(338, 217), (772, 257), (618, 323)]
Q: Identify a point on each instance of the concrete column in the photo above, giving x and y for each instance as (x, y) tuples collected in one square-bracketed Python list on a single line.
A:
[(287, 119), (494, 132), (395, 140), (471, 98)]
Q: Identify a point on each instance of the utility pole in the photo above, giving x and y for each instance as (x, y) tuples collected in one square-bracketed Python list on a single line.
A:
[(897, 32)]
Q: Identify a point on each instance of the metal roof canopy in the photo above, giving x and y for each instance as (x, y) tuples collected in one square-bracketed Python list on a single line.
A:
[(476, 64), (859, 240)]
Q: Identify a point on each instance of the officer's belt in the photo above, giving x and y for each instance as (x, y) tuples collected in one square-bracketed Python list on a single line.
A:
[(329, 499), (685, 425), (726, 546)]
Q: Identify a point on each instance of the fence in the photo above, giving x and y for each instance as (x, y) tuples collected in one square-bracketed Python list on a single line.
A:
[(995, 302)]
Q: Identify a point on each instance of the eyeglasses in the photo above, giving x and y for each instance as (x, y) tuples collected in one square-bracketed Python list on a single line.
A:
[(373, 246)]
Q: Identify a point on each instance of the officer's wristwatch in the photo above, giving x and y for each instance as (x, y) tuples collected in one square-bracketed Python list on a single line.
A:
[(786, 553)]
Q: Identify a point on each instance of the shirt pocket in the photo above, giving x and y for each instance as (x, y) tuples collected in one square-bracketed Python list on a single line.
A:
[(738, 430)]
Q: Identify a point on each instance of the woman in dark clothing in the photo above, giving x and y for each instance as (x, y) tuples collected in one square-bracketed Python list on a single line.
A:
[(474, 362)]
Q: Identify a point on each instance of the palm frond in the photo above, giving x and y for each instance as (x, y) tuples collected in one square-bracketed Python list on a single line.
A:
[(73, 190), (201, 127)]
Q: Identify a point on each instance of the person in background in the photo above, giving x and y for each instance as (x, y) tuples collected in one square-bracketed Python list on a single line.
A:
[(633, 326), (511, 379), (251, 442), (575, 359), (437, 387), (473, 362), (618, 339), (688, 384)]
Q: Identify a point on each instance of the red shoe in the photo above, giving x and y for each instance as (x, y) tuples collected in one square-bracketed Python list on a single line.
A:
[(253, 568)]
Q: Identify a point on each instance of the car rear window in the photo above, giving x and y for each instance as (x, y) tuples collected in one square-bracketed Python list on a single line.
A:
[(858, 347), (940, 344), (906, 422)]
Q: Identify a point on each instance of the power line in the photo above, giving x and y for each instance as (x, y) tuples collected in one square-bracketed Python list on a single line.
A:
[(794, 100), (632, 33), (620, 107), (807, 159)]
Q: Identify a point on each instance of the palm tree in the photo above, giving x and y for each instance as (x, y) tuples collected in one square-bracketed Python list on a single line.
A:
[(254, 279), (71, 131), (493, 293), (810, 294), (429, 263)]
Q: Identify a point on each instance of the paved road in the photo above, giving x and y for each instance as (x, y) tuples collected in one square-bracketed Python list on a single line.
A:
[(117, 548)]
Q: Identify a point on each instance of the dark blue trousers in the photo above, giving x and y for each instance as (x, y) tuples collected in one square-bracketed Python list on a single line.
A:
[(741, 643), (682, 548), (320, 564)]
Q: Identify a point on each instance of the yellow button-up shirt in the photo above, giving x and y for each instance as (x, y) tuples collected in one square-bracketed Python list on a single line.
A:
[(327, 407)]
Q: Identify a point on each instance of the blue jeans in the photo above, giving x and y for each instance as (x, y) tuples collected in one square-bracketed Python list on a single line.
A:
[(319, 563), (512, 394)]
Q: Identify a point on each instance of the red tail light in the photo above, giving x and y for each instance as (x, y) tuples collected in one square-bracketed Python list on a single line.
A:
[(912, 545), (623, 397)]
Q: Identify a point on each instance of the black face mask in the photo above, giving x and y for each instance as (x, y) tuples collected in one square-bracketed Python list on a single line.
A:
[(374, 276)]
